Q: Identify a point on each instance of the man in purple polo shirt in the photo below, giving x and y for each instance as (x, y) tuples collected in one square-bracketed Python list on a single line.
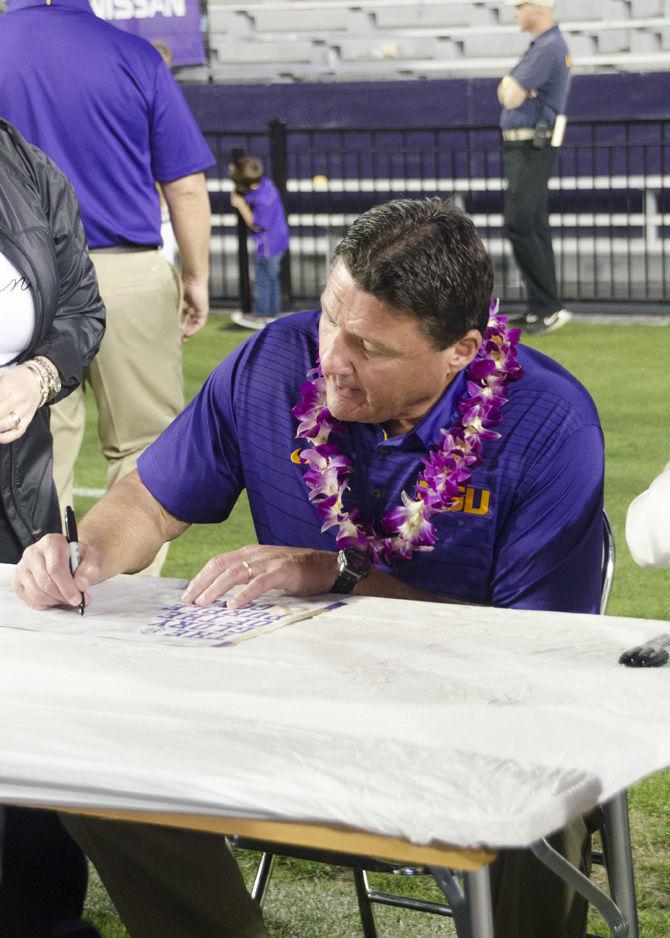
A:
[(396, 443), (106, 109), (104, 106)]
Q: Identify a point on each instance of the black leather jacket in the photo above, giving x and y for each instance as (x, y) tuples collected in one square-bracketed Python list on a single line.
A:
[(41, 234)]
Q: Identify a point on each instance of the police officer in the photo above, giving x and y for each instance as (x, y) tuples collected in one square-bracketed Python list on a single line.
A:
[(533, 97)]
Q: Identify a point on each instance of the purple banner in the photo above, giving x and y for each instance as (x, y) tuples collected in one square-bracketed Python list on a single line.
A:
[(176, 23)]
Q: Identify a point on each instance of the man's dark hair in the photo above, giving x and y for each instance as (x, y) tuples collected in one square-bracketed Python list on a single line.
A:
[(422, 257)]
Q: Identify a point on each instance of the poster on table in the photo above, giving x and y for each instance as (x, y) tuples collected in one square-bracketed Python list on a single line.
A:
[(174, 22)]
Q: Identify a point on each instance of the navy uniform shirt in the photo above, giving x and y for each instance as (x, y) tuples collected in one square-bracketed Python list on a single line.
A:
[(104, 106), (545, 68), (526, 531)]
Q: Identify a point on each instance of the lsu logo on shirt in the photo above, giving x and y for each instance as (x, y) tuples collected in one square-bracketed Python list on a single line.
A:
[(471, 501)]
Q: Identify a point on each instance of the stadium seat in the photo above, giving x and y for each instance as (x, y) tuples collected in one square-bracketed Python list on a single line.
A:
[(644, 41), (328, 20), (582, 48), (244, 52), (573, 10), (641, 9), (613, 40), (508, 45), (439, 17), (421, 39), (401, 48)]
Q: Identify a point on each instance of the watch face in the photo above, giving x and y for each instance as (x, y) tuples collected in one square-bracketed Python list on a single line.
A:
[(356, 561)]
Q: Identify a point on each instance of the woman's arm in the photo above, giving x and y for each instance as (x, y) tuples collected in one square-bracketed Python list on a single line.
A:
[(79, 323)]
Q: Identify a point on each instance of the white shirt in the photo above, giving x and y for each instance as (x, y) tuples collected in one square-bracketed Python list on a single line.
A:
[(648, 524), (17, 312)]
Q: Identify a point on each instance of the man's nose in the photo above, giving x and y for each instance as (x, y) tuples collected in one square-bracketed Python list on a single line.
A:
[(333, 353)]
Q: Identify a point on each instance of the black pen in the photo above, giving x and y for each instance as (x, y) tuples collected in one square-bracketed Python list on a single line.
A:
[(75, 560)]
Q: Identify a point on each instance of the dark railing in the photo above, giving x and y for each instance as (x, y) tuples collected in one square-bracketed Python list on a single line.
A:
[(608, 206)]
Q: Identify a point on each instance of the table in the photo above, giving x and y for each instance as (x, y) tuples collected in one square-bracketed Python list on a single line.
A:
[(439, 725)]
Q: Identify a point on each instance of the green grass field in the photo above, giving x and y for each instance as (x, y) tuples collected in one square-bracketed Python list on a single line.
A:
[(624, 369)]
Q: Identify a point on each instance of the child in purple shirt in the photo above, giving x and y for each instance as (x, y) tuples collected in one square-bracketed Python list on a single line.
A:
[(257, 200)]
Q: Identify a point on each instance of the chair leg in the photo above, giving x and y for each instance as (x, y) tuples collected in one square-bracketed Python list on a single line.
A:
[(262, 879), (574, 877), (364, 904), (618, 855), (471, 905), (477, 889)]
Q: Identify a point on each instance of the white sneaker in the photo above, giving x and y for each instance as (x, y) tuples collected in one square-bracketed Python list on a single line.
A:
[(542, 325), (248, 321)]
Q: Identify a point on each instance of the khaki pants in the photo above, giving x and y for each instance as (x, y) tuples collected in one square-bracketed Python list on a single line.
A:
[(136, 378), (529, 901), (169, 883)]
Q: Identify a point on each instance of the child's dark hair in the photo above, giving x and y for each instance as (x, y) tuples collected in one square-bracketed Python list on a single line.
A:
[(246, 171)]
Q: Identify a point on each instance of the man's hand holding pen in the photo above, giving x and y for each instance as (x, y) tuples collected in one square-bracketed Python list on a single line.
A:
[(43, 577)]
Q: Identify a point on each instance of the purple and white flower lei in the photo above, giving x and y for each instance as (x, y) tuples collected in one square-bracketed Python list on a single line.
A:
[(448, 465)]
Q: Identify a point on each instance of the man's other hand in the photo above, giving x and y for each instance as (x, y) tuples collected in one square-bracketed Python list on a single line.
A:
[(195, 307), (297, 571), (43, 577)]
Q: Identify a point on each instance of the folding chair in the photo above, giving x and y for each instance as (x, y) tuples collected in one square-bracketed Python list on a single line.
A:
[(620, 912)]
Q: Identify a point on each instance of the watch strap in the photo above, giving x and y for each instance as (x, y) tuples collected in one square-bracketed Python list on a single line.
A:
[(345, 582), (353, 566)]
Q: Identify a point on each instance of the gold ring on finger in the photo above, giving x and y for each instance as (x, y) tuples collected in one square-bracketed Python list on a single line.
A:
[(248, 569)]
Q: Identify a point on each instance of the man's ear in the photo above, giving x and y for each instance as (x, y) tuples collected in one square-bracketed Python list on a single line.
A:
[(463, 351)]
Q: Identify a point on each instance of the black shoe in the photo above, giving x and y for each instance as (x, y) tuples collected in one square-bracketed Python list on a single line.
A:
[(532, 324)]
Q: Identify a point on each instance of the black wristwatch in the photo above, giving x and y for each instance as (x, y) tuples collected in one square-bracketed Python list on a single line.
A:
[(353, 565)]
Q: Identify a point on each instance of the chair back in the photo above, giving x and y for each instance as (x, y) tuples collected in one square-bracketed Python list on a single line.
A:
[(607, 569)]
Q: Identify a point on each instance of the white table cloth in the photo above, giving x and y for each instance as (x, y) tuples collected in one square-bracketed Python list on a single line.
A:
[(469, 725)]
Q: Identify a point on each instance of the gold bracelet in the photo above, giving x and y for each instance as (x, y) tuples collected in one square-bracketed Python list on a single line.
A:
[(47, 378), (41, 380), (51, 374)]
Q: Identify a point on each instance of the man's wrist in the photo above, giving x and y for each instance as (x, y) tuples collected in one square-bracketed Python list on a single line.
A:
[(199, 280), (352, 566)]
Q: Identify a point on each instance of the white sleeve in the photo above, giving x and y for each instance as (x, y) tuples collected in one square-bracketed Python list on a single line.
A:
[(648, 524)]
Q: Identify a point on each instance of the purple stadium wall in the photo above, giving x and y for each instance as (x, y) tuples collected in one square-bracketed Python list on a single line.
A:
[(412, 103)]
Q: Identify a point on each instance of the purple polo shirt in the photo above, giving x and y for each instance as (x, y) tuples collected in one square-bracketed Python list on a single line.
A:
[(268, 211), (526, 533), (104, 106)]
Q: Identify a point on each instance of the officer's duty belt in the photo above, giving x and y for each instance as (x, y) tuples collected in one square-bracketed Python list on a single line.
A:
[(522, 133)]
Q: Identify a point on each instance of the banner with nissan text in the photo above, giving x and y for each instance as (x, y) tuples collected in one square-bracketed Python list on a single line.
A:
[(175, 23)]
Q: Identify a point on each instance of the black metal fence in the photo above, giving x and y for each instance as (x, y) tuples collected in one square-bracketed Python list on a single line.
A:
[(609, 209)]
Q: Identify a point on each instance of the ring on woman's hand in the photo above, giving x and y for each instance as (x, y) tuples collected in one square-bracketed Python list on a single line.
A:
[(248, 569), (15, 417)]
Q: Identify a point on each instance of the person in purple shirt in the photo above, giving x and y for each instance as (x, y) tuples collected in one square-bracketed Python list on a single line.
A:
[(257, 200), (104, 106), (399, 443)]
